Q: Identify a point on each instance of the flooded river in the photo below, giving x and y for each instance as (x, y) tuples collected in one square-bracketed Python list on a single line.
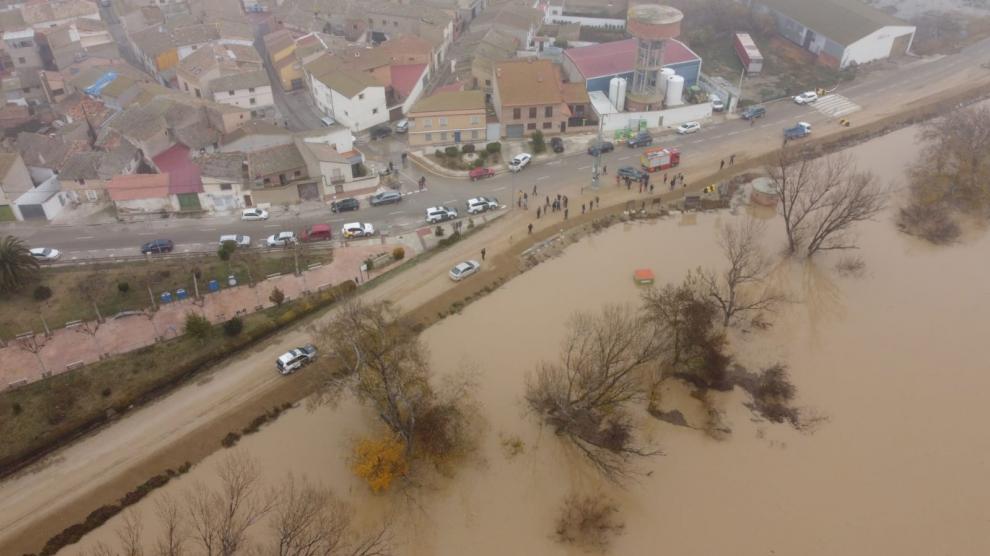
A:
[(890, 360)]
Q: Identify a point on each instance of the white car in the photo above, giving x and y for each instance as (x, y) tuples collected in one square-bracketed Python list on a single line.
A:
[(717, 104), (293, 360), (806, 97), (463, 270), (239, 240), (357, 229), (281, 239), (435, 215), (45, 254), (481, 204), (520, 161), (688, 127), (254, 214)]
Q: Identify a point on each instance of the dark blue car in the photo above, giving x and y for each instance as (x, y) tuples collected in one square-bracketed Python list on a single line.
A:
[(158, 246)]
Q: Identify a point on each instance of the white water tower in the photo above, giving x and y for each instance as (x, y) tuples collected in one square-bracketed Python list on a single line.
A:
[(665, 74), (675, 91)]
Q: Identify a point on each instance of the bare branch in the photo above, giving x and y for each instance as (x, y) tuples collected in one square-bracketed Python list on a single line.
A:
[(173, 534)]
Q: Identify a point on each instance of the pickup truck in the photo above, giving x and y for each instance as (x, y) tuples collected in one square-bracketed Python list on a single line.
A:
[(802, 129)]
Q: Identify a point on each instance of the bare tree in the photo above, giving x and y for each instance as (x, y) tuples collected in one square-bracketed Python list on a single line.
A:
[(92, 288), (311, 521), (387, 362), (731, 289), (822, 198), (582, 395), (129, 534), (221, 518), (173, 537)]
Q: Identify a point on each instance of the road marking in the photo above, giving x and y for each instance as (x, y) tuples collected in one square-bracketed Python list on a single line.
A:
[(450, 201), (499, 189), (768, 124), (542, 178), (271, 225), (394, 213), (554, 163), (698, 141), (85, 237), (207, 229), (625, 158), (731, 133), (146, 233), (584, 168)]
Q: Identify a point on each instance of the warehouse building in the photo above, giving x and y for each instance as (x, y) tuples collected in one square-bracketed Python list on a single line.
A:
[(598, 64)]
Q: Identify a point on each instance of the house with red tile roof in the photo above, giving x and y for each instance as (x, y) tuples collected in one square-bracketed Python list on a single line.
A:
[(138, 194), (597, 64)]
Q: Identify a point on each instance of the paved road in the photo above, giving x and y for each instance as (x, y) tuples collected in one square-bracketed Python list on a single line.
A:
[(874, 91)]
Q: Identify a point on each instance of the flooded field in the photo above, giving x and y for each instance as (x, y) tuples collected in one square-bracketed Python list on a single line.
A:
[(890, 361)]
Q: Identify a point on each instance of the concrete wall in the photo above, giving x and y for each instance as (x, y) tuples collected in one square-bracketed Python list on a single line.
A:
[(138, 206), (875, 46), (669, 118)]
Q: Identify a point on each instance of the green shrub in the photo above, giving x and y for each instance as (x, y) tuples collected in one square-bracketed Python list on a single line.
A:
[(452, 239), (230, 440), (438, 231), (277, 296), (42, 293), (398, 253), (478, 163), (538, 143), (226, 250), (467, 149), (123, 287), (198, 326), (438, 153), (493, 148), (233, 326), (451, 151), (482, 155)]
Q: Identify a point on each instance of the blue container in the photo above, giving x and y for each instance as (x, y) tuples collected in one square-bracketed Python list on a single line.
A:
[(166, 297), (181, 294), (213, 286)]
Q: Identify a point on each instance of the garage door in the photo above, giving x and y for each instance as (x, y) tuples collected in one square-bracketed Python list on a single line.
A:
[(515, 131), (6, 213), (188, 201), (32, 212)]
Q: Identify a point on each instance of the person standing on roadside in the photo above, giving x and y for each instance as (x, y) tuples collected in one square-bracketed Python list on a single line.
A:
[(483, 252), (531, 227)]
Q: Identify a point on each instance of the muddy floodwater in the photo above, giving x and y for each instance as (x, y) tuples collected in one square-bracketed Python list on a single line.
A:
[(893, 363)]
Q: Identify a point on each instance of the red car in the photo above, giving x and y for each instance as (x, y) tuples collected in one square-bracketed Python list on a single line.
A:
[(482, 172)]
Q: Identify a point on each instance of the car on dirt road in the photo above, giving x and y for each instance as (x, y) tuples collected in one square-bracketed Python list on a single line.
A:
[(237, 239), (385, 198), (753, 112), (435, 215), (806, 97), (641, 139), (481, 204), (254, 214), (45, 254), (480, 173), (345, 205), (600, 148), (520, 161), (688, 128), (316, 232), (295, 359), (557, 144), (158, 246), (631, 172), (281, 239), (357, 229), (717, 104), (463, 270)]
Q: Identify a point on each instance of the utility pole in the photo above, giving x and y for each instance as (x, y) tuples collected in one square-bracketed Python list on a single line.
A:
[(596, 171)]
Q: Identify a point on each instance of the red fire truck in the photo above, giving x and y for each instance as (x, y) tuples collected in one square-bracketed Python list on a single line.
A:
[(660, 158)]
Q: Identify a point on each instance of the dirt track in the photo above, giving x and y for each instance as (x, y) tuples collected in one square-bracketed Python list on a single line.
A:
[(188, 424)]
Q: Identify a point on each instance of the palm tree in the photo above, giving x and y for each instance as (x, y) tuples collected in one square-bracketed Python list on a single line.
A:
[(17, 266)]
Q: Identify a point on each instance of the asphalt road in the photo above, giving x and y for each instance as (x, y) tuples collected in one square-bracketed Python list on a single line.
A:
[(879, 89)]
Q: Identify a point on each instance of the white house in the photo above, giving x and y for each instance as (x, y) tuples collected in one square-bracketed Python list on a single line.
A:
[(250, 90), (352, 98)]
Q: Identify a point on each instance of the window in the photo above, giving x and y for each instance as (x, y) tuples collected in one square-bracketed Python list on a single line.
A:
[(231, 93), (81, 181), (474, 134), (226, 187), (427, 123), (531, 126), (254, 100), (488, 82), (268, 181), (250, 89), (21, 61), (198, 94), (92, 195), (516, 113), (475, 120), (428, 136), (548, 112), (532, 112), (297, 173), (185, 86), (443, 121), (361, 96), (395, 23), (547, 125), (374, 110), (443, 135), (26, 90)]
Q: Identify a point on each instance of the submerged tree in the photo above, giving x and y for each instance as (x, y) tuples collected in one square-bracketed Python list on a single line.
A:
[(601, 367)]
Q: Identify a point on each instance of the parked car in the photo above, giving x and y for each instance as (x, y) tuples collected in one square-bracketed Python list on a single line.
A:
[(158, 246), (345, 205), (688, 127), (385, 198), (641, 139), (281, 239), (316, 232), (463, 270), (435, 215), (237, 239), (380, 132), (753, 112), (295, 359), (717, 104), (631, 172), (806, 97), (480, 173), (801, 129), (254, 214), (557, 144), (327, 121), (519, 161), (481, 204), (357, 229), (402, 126), (599, 148), (45, 254)]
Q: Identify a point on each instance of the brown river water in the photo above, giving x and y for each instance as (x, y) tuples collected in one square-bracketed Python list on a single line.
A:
[(890, 361)]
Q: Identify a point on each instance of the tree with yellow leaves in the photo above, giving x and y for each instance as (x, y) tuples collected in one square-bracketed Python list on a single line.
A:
[(379, 461)]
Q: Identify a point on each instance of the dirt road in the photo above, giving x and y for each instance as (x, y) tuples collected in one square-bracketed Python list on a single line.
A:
[(188, 424)]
